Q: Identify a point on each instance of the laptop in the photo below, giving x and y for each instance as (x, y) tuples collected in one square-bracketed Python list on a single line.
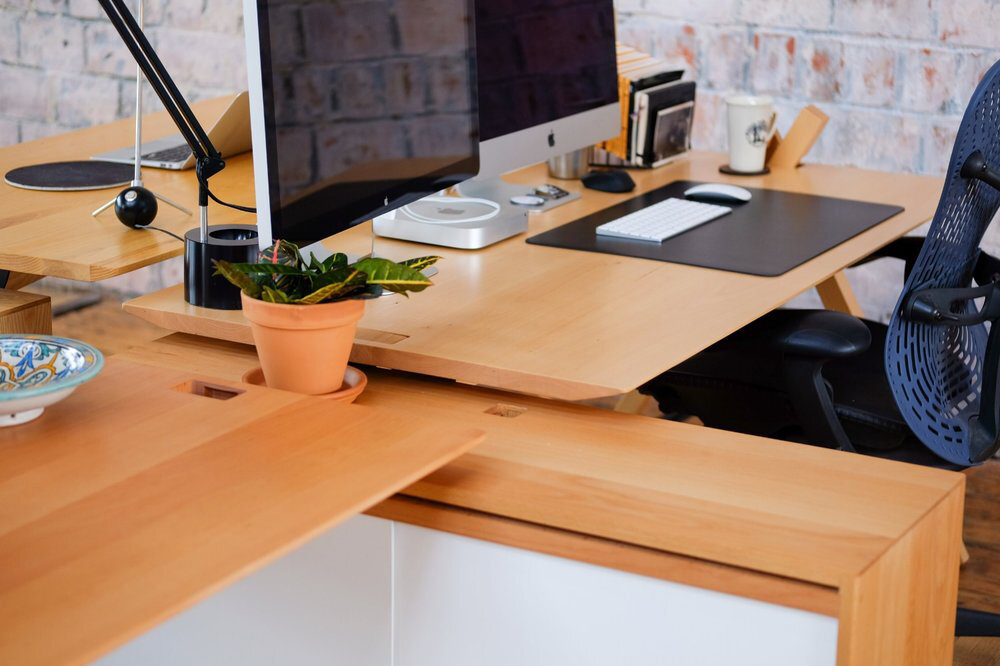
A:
[(230, 135)]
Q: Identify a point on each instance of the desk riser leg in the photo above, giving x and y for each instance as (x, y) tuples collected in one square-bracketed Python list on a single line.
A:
[(836, 294)]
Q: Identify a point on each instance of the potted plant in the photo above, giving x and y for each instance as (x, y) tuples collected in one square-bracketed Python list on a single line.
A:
[(304, 315)]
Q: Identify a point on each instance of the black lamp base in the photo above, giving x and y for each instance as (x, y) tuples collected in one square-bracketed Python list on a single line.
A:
[(235, 243)]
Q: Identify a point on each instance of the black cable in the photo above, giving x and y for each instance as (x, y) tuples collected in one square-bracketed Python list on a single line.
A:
[(245, 209), (169, 233)]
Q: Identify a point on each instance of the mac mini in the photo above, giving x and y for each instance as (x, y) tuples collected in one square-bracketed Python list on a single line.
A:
[(467, 224)]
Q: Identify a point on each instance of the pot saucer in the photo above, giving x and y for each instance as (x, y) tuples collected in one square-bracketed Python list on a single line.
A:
[(354, 383)]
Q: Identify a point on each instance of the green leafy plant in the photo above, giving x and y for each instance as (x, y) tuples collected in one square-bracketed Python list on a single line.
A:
[(283, 276)]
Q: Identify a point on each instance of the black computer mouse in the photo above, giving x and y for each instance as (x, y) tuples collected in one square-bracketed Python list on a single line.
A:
[(609, 181)]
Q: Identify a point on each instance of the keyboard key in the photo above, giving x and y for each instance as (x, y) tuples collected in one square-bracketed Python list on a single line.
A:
[(175, 154)]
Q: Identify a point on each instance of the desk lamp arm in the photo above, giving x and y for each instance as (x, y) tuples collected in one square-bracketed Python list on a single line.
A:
[(208, 160)]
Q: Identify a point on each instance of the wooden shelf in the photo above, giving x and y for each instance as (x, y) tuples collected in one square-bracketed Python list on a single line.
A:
[(137, 496), (54, 233)]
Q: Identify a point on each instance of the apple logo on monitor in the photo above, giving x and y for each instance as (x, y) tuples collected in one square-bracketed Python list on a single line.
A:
[(552, 138)]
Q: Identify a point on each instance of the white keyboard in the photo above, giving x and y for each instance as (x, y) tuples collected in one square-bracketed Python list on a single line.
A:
[(663, 220)]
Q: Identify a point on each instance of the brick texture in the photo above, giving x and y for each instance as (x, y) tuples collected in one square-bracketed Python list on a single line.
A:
[(63, 66), (894, 75), (882, 60), (874, 66)]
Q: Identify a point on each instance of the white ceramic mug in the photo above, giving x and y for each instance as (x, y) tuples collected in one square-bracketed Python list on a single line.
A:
[(751, 126)]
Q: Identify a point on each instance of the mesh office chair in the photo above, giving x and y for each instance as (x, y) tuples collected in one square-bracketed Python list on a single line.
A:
[(923, 389)]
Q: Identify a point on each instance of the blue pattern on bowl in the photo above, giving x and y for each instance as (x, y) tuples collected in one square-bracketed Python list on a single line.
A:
[(32, 365)]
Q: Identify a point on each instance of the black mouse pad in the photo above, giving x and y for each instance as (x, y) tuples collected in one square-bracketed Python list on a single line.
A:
[(769, 235), (71, 176)]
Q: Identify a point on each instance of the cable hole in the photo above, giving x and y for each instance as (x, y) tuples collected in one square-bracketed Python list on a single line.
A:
[(506, 411), (206, 390)]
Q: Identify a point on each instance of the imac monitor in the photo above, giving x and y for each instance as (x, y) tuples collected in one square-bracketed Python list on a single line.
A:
[(357, 108), (548, 85), (548, 79)]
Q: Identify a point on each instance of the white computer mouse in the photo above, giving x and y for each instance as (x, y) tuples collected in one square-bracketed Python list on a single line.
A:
[(718, 192)]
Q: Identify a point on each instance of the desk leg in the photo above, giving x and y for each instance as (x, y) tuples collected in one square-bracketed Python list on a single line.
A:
[(18, 280), (901, 609), (836, 294)]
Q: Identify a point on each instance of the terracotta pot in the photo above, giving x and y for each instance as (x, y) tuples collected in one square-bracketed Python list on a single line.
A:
[(303, 348)]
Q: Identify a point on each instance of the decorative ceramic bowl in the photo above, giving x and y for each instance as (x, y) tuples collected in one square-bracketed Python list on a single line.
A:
[(40, 370)]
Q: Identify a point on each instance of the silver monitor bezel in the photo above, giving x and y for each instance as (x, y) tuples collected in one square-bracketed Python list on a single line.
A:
[(531, 145)]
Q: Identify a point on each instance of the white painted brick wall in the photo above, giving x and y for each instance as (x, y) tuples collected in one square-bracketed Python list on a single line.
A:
[(63, 66), (894, 75)]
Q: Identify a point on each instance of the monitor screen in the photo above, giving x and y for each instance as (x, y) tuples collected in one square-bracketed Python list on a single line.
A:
[(541, 60), (366, 106)]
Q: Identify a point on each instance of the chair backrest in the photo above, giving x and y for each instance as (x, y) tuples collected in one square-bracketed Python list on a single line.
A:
[(936, 372)]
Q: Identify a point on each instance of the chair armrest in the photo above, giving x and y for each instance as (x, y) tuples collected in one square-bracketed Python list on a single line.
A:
[(819, 334), (807, 339)]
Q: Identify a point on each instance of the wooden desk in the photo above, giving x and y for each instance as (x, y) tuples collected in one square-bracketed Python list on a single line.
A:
[(576, 325), (134, 498), (870, 542), (539, 320), (53, 233)]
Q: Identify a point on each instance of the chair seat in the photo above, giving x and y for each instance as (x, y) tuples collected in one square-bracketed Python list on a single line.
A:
[(738, 384)]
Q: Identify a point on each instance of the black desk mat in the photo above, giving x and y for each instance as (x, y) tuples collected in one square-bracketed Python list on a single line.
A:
[(769, 235)]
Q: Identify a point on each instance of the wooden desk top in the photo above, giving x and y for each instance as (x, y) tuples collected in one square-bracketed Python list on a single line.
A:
[(132, 499), (53, 233), (794, 511), (577, 325)]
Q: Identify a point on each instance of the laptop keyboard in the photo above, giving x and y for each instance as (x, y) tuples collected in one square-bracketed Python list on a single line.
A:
[(175, 154)]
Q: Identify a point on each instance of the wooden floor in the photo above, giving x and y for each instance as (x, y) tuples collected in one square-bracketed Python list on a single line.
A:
[(107, 327), (104, 325)]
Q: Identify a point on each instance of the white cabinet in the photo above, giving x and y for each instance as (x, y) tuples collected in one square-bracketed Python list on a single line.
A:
[(374, 593), (327, 602), (464, 602)]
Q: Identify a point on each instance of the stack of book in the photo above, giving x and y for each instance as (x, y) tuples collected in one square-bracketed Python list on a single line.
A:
[(657, 110)]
